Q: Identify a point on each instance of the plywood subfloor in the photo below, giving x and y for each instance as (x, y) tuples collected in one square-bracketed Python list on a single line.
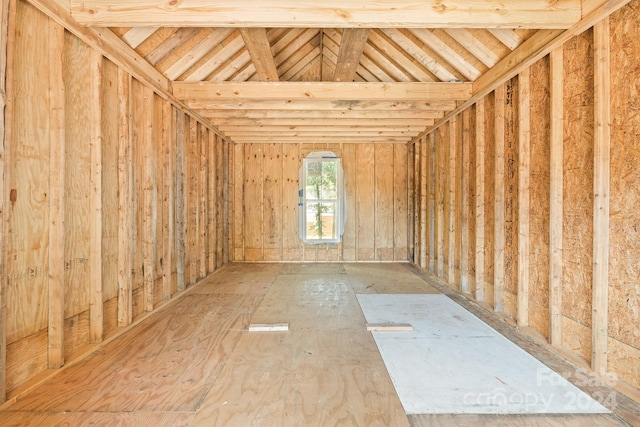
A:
[(194, 363)]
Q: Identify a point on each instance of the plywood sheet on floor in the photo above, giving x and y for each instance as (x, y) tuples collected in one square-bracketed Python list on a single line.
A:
[(453, 363)]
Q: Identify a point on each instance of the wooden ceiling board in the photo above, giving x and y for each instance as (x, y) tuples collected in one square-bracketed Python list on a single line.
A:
[(410, 42)]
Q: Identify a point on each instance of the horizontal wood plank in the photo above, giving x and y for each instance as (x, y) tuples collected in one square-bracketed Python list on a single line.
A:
[(334, 91), (330, 14)]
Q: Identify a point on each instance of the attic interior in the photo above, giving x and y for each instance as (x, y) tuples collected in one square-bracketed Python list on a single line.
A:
[(152, 150)]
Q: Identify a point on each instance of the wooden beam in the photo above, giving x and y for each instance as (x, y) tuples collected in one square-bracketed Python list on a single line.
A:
[(524, 160), (329, 124), (257, 43), (259, 115), (602, 144), (330, 14), (499, 199), (556, 198), (125, 201), (55, 330), (96, 309), (263, 139), (480, 175), (351, 48), (323, 91), (136, 35), (340, 106)]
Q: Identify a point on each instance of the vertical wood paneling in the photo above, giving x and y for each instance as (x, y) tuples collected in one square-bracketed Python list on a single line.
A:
[(202, 203), (366, 215), (254, 200), (480, 183), (425, 250), (440, 184), (272, 207), (384, 201), (125, 202), (411, 196), (464, 202), (499, 215), (601, 184), (169, 167), (429, 147), (524, 155), (238, 201), (556, 197), (56, 197), (223, 229), (291, 246), (400, 203), (417, 202), (181, 205), (149, 206), (96, 309), (212, 203), (193, 156), (451, 187), (7, 37)]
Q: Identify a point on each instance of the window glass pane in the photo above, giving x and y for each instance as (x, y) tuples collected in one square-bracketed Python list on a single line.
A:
[(329, 180), (314, 180), (321, 220)]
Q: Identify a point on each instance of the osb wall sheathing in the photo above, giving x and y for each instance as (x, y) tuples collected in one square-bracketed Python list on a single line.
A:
[(511, 197), (489, 196), (63, 93), (265, 203), (539, 198), (577, 236), (624, 268), (501, 126)]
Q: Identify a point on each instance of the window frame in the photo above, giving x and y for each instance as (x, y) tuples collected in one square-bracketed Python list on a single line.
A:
[(339, 217)]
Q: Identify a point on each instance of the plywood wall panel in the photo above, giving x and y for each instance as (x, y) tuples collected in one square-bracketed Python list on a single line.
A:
[(253, 201), (27, 213), (365, 203), (539, 198), (77, 173), (272, 206), (400, 202), (384, 201), (472, 197), (291, 244), (489, 197), (511, 198), (266, 184), (110, 135), (624, 252), (350, 180), (577, 246), (238, 202)]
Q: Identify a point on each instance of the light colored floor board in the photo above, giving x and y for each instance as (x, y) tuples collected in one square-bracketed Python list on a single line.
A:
[(195, 363)]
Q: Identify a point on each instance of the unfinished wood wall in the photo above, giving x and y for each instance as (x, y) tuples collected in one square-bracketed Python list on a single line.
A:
[(113, 199), (265, 203), (540, 198)]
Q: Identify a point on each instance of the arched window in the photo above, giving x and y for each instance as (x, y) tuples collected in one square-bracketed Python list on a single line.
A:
[(321, 209)]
